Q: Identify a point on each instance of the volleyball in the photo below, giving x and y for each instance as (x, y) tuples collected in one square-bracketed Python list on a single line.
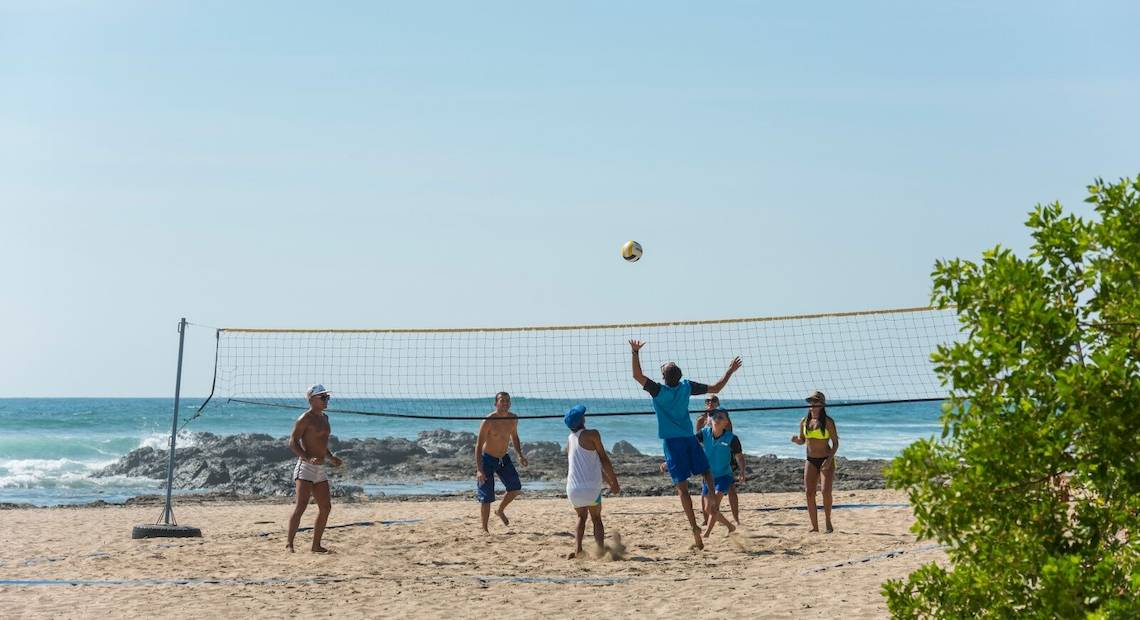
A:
[(631, 251)]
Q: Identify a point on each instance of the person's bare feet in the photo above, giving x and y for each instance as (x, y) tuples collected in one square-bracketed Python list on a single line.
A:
[(814, 529), (829, 529), (573, 555), (502, 515), (289, 548), (697, 542), (320, 550)]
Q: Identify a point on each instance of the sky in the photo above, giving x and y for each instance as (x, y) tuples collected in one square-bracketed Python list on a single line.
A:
[(291, 164)]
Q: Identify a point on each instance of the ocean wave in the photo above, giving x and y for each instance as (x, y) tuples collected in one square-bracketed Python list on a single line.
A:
[(58, 473), (161, 441)]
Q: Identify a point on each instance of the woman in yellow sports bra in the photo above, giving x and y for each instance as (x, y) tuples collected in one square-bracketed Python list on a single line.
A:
[(817, 430)]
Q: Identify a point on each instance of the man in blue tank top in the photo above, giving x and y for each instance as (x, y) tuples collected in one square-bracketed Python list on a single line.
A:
[(684, 457)]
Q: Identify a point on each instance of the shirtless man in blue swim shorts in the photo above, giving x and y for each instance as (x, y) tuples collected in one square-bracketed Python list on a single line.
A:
[(684, 457), (496, 432)]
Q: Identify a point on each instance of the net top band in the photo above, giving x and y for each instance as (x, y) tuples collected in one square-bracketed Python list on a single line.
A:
[(539, 328)]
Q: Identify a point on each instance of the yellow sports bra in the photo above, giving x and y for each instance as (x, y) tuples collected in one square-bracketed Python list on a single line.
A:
[(816, 433)]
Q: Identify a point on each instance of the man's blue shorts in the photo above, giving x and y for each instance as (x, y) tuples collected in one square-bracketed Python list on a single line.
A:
[(485, 492), (684, 457), (721, 484)]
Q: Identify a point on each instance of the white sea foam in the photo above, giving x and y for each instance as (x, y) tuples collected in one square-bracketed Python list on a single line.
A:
[(161, 441), (41, 473)]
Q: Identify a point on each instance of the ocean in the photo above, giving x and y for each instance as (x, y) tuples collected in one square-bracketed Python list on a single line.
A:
[(50, 446)]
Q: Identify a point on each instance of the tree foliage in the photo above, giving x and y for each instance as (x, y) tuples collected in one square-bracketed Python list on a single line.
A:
[(1034, 486)]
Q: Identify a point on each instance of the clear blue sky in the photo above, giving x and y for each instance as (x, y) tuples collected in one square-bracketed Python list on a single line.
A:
[(454, 164)]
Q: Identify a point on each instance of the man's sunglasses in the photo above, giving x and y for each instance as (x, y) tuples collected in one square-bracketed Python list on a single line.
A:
[(324, 397)]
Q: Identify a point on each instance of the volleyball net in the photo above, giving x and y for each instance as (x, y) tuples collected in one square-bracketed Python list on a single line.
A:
[(854, 358)]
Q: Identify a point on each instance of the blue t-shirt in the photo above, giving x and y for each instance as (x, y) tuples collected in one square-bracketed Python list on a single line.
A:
[(718, 450), (672, 407)]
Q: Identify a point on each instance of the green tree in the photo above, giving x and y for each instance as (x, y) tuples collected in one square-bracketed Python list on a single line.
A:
[(1034, 486)]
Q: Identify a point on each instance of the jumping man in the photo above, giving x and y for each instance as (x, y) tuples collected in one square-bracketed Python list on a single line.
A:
[(496, 431), (683, 455)]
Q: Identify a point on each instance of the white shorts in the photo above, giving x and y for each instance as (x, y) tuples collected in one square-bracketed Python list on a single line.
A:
[(581, 498), (309, 472)]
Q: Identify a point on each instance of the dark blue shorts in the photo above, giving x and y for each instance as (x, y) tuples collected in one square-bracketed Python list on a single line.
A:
[(721, 484), (506, 471), (684, 457)]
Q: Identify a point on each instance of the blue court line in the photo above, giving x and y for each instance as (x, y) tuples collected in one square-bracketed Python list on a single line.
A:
[(165, 582), (596, 581), (355, 524), (871, 558), (777, 508), (833, 507), (366, 524)]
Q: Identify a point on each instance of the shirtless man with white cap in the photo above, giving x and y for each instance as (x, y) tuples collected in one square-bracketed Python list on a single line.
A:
[(310, 442)]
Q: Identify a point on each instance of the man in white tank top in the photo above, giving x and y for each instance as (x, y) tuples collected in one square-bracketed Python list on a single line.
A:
[(588, 472)]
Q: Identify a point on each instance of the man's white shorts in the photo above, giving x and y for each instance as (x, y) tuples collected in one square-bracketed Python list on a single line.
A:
[(580, 498), (309, 472)]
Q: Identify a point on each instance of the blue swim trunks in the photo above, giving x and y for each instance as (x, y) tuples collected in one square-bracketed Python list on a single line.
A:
[(684, 457), (506, 471), (721, 484)]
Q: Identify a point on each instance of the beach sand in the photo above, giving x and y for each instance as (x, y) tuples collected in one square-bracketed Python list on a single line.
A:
[(432, 560)]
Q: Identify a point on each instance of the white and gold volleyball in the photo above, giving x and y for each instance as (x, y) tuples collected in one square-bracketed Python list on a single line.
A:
[(631, 251)]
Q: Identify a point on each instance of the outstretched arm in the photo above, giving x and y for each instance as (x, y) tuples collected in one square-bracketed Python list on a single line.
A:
[(733, 366), (635, 348)]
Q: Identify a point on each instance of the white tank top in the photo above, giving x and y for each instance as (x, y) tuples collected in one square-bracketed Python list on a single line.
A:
[(585, 466)]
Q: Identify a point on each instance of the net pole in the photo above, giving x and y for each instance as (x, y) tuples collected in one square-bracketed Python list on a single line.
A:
[(168, 511)]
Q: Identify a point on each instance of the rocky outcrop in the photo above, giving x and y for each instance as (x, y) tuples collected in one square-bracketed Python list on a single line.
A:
[(624, 448), (258, 464), (444, 444)]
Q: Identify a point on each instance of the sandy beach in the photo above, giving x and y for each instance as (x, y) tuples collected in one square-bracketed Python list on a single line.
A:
[(430, 559)]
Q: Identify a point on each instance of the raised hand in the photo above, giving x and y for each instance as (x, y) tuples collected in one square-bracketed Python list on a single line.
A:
[(635, 345), (735, 364)]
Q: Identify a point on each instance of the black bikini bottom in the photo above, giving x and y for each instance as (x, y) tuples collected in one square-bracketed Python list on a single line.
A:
[(818, 461)]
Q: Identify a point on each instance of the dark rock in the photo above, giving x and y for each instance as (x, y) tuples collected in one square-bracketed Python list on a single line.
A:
[(442, 443), (541, 449), (386, 451), (624, 448)]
